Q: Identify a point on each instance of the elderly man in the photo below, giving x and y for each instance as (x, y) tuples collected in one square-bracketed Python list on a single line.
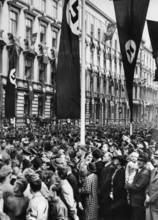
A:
[(137, 189), (151, 202)]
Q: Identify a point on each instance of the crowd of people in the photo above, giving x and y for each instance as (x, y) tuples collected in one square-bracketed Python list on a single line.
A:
[(47, 174)]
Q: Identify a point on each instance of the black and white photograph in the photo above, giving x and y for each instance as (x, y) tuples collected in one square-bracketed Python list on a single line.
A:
[(78, 109)]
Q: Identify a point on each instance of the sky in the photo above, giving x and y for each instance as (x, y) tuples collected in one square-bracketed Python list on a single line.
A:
[(152, 14)]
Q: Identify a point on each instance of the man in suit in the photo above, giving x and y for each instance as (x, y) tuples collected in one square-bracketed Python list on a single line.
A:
[(105, 187), (137, 189), (151, 202)]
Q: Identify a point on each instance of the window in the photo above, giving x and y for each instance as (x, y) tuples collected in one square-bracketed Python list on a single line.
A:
[(91, 56), (52, 107), (28, 28), (26, 105), (104, 38), (92, 30), (135, 92), (55, 9), (42, 72), (54, 39), (28, 68), (104, 60), (44, 5), (40, 106), (98, 59), (13, 22), (98, 34), (0, 59), (42, 34)]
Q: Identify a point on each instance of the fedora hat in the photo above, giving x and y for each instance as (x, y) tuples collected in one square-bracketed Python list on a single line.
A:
[(121, 158), (143, 157), (91, 167)]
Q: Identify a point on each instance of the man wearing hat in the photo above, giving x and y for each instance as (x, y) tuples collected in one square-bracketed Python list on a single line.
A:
[(151, 202), (97, 158), (137, 189)]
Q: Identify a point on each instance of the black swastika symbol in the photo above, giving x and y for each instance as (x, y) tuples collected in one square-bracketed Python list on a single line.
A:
[(130, 51), (75, 18)]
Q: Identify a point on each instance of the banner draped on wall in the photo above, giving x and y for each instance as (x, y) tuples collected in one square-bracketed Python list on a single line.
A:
[(130, 17), (10, 95), (68, 68), (110, 31)]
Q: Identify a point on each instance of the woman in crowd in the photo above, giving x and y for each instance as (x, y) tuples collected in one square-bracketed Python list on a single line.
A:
[(90, 189), (118, 193)]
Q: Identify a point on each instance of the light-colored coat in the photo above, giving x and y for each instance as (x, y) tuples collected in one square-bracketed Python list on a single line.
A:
[(152, 191)]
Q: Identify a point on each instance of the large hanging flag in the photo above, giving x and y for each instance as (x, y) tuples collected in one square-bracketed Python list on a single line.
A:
[(130, 16), (153, 33), (110, 31), (68, 68), (10, 95)]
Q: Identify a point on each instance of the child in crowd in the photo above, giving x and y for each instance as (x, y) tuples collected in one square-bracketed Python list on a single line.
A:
[(131, 170)]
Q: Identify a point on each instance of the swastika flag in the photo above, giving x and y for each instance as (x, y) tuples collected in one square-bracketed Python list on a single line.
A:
[(68, 67), (130, 17), (10, 95)]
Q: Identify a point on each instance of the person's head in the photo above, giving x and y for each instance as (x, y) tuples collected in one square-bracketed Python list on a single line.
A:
[(91, 168), (142, 160), (119, 161), (155, 160), (97, 154), (55, 190), (107, 157), (37, 163), (35, 185), (112, 148), (140, 147), (134, 156), (105, 148), (62, 172), (88, 157), (20, 186), (5, 173), (81, 151), (30, 175), (16, 170)]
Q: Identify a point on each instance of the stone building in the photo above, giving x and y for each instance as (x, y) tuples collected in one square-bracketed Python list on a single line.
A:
[(35, 25)]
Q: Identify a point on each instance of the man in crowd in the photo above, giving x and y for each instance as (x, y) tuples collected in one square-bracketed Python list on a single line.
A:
[(151, 202), (137, 189), (105, 186)]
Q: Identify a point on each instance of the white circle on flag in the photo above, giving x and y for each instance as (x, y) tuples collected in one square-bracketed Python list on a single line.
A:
[(130, 48), (72, 16), (12, 77)]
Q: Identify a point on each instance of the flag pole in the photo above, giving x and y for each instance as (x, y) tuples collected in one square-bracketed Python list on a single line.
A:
[(82, 132)]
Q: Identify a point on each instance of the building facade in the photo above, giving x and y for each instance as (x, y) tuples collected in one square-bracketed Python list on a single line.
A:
[(35, 24)]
